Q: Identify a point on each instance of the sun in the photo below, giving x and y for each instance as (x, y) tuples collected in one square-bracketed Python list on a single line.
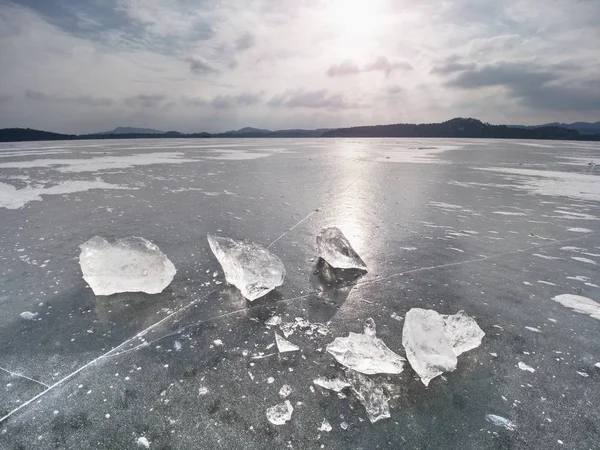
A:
[(355, 21)]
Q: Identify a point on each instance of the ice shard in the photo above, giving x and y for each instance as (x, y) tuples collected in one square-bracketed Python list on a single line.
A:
[(131, 264), (281, 413), (433, 341), (333, 384), (365, 352), (334, 248), (249, 267), (370, 395), (283, 345), (500, 421)]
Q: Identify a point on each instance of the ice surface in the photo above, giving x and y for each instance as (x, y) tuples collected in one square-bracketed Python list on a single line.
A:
[(500, 422), (370, 395), (365, 352), (580, 304), (281, 413), (28, 315), (433, 341), (283, 345), (584, 260), (334, 248), (333, 384), (131, 264), (251, 268)]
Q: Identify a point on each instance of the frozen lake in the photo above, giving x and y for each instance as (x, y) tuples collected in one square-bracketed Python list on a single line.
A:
[(507, 231)]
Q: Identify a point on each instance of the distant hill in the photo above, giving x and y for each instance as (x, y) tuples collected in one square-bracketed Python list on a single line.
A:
[(581, 127), (27, 134), (455, 128), (131, 130)]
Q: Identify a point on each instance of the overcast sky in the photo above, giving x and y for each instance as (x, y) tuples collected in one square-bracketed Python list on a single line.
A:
[(214, 65)]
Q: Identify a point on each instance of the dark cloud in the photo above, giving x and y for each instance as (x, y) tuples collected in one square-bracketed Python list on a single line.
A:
[(5, 98), (342, 69), (82, 99), (451, 67), (381, 64), (194, 101), (200, 65), (145, 101), (534, 86), (245, 42), (321, 99), (231, 101)]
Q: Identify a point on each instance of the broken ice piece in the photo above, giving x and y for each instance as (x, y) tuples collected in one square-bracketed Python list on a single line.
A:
[(285, 391), (334, 248), (525, 367), (131, 264), (333, 384), (143, 442), (273, 321), (365, 353), (325, 426), (433, 341), (283, 345), (281, 413), (28, 315), (370, 395), (500, 422), (249, 267)]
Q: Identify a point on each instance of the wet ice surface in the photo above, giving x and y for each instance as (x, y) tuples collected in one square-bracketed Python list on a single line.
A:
[(251, 268), (197, 366), (131, 264)]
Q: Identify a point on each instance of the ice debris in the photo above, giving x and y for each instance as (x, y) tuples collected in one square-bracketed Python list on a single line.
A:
[(333, 384), (143, 442), (433, 341), (370, 394), (500, 422), (288, 328), (273, 321), (285, 391), (283, 345), (281, 413), (525, 367), (325, 426), (580, 304), (334, 248), (28, 315), (365, 352), (249, 267), (131, 264)]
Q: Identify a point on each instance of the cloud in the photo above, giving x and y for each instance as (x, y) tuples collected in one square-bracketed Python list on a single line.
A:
[(380, 64), (245, 41), (534, 86), (145, 101), (85, 100), (320, 99), (5, 98), (231, 101), (199, 65), (451, 67), (344, 68)]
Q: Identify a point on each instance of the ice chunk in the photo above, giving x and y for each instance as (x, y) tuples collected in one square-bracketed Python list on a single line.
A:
[(28, 315), (283, 345), (273, 321), (370, 395), (143, 442), (433, 341), (365, 353), (525, 367), (131, 264), (249, 267), (334, 248), (580, 304), (333, 384), (500, 422), (285, 391), (281, 413), (325, 426)]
